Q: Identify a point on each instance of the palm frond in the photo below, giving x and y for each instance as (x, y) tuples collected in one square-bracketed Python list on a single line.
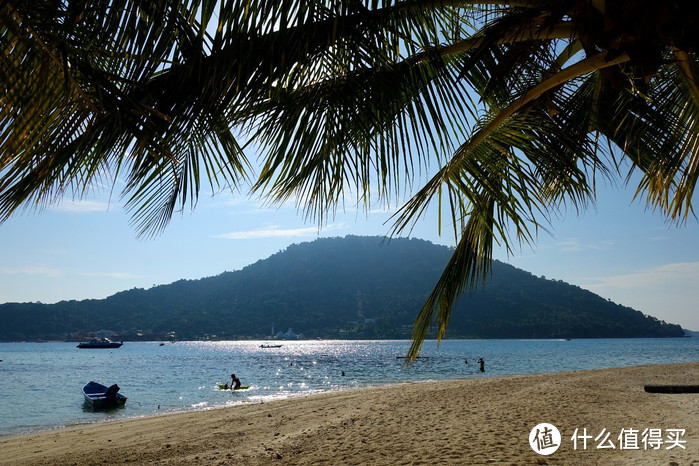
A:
[(475, 243), (359, 126), (658, 132)]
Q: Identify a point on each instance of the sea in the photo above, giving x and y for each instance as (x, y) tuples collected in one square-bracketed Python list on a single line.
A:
[(40, 383)]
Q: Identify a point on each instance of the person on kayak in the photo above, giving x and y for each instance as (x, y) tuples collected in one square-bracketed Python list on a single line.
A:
[(235, 382)]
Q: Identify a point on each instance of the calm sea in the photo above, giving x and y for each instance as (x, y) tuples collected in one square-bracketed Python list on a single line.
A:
[(40, 383)]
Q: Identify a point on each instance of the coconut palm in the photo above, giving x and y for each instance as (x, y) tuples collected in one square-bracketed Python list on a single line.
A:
[(500, 113)]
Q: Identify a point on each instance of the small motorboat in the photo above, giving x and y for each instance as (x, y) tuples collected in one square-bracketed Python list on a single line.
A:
[(270, 346), (100, 343), (100, 396)]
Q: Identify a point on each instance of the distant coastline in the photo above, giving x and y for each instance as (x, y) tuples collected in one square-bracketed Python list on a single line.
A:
[(272, 341), (335, 288)]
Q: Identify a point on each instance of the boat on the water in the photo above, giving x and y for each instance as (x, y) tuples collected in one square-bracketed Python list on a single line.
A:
[(270, 346), (100, 396), (100, 343)]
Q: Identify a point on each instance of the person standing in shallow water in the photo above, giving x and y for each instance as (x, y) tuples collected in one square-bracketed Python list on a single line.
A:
[(482, 363)]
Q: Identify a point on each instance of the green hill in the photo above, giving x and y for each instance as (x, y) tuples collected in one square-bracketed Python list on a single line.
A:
[(351, 287)]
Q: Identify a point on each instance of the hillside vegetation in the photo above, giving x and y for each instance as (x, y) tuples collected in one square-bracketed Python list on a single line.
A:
[(352, 287)]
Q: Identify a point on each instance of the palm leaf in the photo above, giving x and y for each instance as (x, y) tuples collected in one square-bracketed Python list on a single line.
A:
[(522, 106)]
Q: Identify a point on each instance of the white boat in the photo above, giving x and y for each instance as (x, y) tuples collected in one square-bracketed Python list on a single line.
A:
[(100, 343)]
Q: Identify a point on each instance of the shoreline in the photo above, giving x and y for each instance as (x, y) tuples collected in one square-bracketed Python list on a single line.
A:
[(464, 421), (294, 396)]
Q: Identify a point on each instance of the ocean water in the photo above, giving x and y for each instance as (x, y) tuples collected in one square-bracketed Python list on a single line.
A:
[(40, 383)]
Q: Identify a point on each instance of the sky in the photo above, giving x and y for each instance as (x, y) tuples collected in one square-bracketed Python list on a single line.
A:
[(78, 250)]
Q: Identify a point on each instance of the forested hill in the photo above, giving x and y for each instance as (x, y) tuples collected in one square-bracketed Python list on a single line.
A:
[(351, 287)]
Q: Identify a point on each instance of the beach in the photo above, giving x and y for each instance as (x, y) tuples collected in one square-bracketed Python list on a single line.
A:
[(466, 421)]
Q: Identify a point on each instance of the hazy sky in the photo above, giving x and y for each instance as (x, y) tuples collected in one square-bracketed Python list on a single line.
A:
[(87, 249)]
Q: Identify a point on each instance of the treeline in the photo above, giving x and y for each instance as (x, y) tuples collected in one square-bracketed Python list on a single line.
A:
[(352, 287)]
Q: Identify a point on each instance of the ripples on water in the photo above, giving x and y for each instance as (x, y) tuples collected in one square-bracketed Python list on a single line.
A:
[(40, 383)]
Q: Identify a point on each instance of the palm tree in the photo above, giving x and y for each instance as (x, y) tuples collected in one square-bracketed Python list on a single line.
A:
[(520, 105)]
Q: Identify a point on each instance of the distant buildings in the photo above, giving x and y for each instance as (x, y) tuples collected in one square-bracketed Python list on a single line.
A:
[(288, 335)]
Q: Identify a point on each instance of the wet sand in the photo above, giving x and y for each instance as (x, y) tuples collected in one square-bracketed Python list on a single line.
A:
[(469, 421)]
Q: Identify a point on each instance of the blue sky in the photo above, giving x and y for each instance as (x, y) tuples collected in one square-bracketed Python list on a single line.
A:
[(87, 249)]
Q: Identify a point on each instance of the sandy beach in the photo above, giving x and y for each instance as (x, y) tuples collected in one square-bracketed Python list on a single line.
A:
[(470, 421)]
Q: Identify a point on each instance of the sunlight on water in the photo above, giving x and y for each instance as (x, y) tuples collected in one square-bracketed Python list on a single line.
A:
[(40, 383)]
